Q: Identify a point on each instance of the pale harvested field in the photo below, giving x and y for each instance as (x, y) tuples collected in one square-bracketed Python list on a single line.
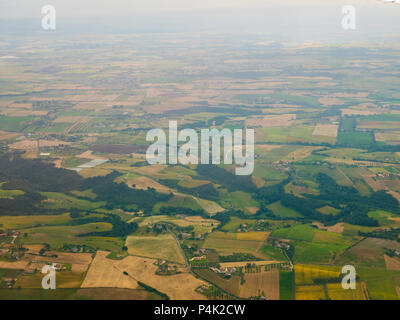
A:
[(267, 147), (57, 163), (79, 261), (153, 92), (150, 170), (104, 272), (383, 125), (266, 283), (351, 95), (145, 182), (159, 247), (32, 144), (8, 135), (200, 224), (284, 120), (299, 154), (393, 137), (209, 206), (70, 119), (330, 101), (352, 112), (326, 130), (394, 219), (337, 228), (97, 106), (89, 155), (392, 263), (252, 210), (94, 172), (376, 185), (22, 113), (396, 195), (258, 181), (35, 266), (21, 264)]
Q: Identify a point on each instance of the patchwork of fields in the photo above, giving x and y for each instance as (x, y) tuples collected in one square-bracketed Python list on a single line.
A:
[(77, 191)]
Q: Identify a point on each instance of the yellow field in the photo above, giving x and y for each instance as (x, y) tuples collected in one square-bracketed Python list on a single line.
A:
[(246, 236), (228, 243), (25, 221), (336, 292), (162, 247), (256, 236), (304, 274), (312, 292), (30, 145), (106, 273), (209, 206)]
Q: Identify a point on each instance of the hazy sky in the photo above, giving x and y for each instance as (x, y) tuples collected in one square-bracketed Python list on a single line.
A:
[(95, 8), (280, 19)]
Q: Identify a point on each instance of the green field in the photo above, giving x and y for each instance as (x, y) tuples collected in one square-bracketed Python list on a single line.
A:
[(57, 236), (286, 285), (281, 211), (160, 247)]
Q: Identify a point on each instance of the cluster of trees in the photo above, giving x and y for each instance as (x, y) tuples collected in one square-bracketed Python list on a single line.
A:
[(353, 207), (390, 234), (120, 228), (119, 195), (225, 217), (330, 190), (270, 194), (223, 177), (171, 211), (357, 213), (35, 176), (206, 191), (32, 175), (151, 289), (26, 204), (238, 256)]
